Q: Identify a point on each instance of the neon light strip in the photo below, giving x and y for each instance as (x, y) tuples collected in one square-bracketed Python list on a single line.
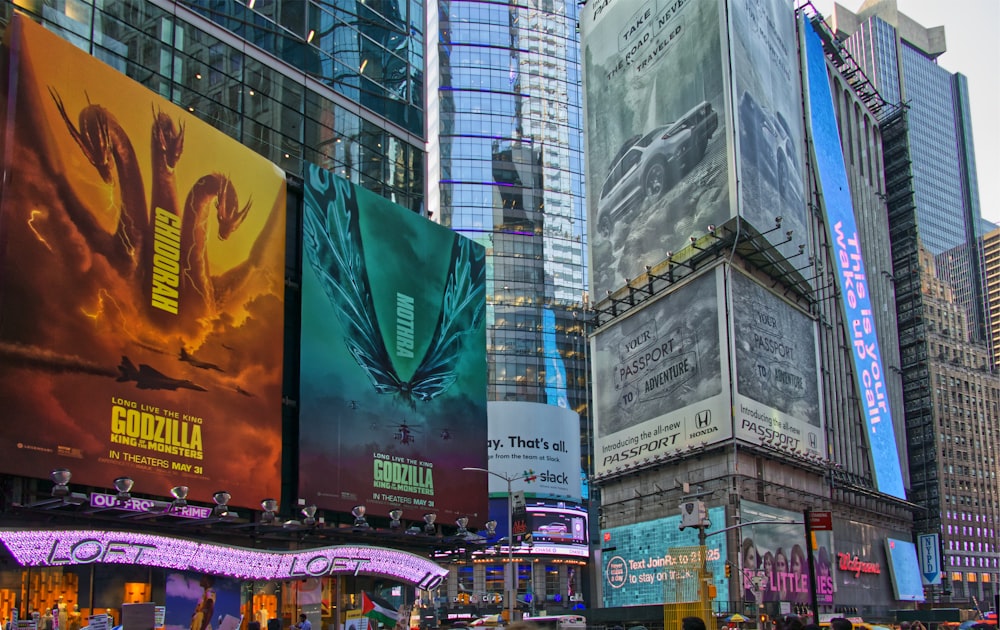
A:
[(50, 548)]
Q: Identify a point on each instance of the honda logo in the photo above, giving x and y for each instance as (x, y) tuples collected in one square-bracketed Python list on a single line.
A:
[(703, 418)]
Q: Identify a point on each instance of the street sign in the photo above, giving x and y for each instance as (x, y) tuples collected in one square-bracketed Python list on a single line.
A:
[(929, 553), (821, 521)]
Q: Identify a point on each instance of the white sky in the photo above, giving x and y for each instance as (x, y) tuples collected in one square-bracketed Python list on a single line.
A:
[(972, 33)]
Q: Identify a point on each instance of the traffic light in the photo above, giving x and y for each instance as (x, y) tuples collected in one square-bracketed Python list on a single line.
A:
[(729, 570), (763, 620)]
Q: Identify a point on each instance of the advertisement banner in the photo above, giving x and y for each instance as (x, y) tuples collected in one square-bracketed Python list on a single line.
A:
[(777, 380), (197, 602), (659, 384), (766, 89), (655, 562), (852, 278), (393, 358), (659, 161), (537, 446), (143, 285), (773, 558)]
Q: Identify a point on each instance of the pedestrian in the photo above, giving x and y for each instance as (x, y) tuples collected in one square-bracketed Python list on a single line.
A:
[(303, 623)]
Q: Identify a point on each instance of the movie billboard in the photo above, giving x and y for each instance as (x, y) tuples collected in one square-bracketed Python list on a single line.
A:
[(658, 157), (143, 285), (852, 277), (661, 378), (773, 557), (766, 93), (777, 381), (655, 562), (393, 358), (537, 446)]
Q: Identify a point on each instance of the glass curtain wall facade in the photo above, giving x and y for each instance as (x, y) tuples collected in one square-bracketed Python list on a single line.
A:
[(511, 176), (903, 66), (338, 84)]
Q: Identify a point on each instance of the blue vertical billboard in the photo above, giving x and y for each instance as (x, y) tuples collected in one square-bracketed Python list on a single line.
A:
[(393, 359), (852, 278)]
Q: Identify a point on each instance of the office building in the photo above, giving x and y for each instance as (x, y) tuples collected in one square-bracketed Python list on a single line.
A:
[(505, 168), (991, 258), (900, 58), (744, 375)]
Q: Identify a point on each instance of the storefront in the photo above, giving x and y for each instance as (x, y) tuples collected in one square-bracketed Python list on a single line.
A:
[(60, 578)]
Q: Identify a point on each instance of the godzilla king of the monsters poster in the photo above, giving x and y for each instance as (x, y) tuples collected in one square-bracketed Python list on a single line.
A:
[(142, 286), (393, 367)]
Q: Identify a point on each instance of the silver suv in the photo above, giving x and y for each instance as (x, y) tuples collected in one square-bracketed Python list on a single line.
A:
[(648, 166)]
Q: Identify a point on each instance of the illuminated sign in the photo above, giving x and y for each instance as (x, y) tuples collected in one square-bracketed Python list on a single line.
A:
[(654, 562), (904, 569), (854, 564), (852, 278), (72, 547), (98, 500)]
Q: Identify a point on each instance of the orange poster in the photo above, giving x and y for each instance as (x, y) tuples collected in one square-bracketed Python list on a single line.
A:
[(141, 284)]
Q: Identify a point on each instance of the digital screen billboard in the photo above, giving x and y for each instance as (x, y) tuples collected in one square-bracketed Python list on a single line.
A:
[(535, 445), (773, 557), (556, 527), (660, 378), (766, 89), (143, 285), (904, 570), (852, 278), (393, 357), (655, 562), (777, 380), (658, 151)]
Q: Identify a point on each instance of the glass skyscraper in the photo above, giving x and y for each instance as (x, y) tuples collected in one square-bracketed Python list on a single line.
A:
[(510, 164), (900, 57)]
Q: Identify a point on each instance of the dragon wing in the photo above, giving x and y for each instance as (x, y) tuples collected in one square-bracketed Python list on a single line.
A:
[(462, 311), (331, 236)]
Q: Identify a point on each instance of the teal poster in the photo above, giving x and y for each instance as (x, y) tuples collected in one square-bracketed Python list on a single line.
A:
[(393, 361)]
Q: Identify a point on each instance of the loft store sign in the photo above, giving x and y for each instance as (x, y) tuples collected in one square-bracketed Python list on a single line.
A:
[(72, 547)]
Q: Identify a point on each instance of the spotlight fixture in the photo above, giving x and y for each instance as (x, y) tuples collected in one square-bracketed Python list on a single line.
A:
[(180, 495), (221, 499), (60, 477), (462, 522), (711, 229), (309, 512), (270, 506), (394, 516), (491, 528), (124, 487), (429, 523), (358, 511)]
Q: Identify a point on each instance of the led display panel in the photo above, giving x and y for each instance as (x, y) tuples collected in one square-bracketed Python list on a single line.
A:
[(851, 276), (655, 562)]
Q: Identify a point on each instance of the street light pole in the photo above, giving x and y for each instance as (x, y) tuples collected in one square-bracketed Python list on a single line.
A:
[(512, 592)]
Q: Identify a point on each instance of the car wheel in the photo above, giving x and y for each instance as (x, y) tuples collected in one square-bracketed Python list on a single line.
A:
[(654, 182)]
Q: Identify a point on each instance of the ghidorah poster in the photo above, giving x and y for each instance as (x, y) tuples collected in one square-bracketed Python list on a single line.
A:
[(141, 284)]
